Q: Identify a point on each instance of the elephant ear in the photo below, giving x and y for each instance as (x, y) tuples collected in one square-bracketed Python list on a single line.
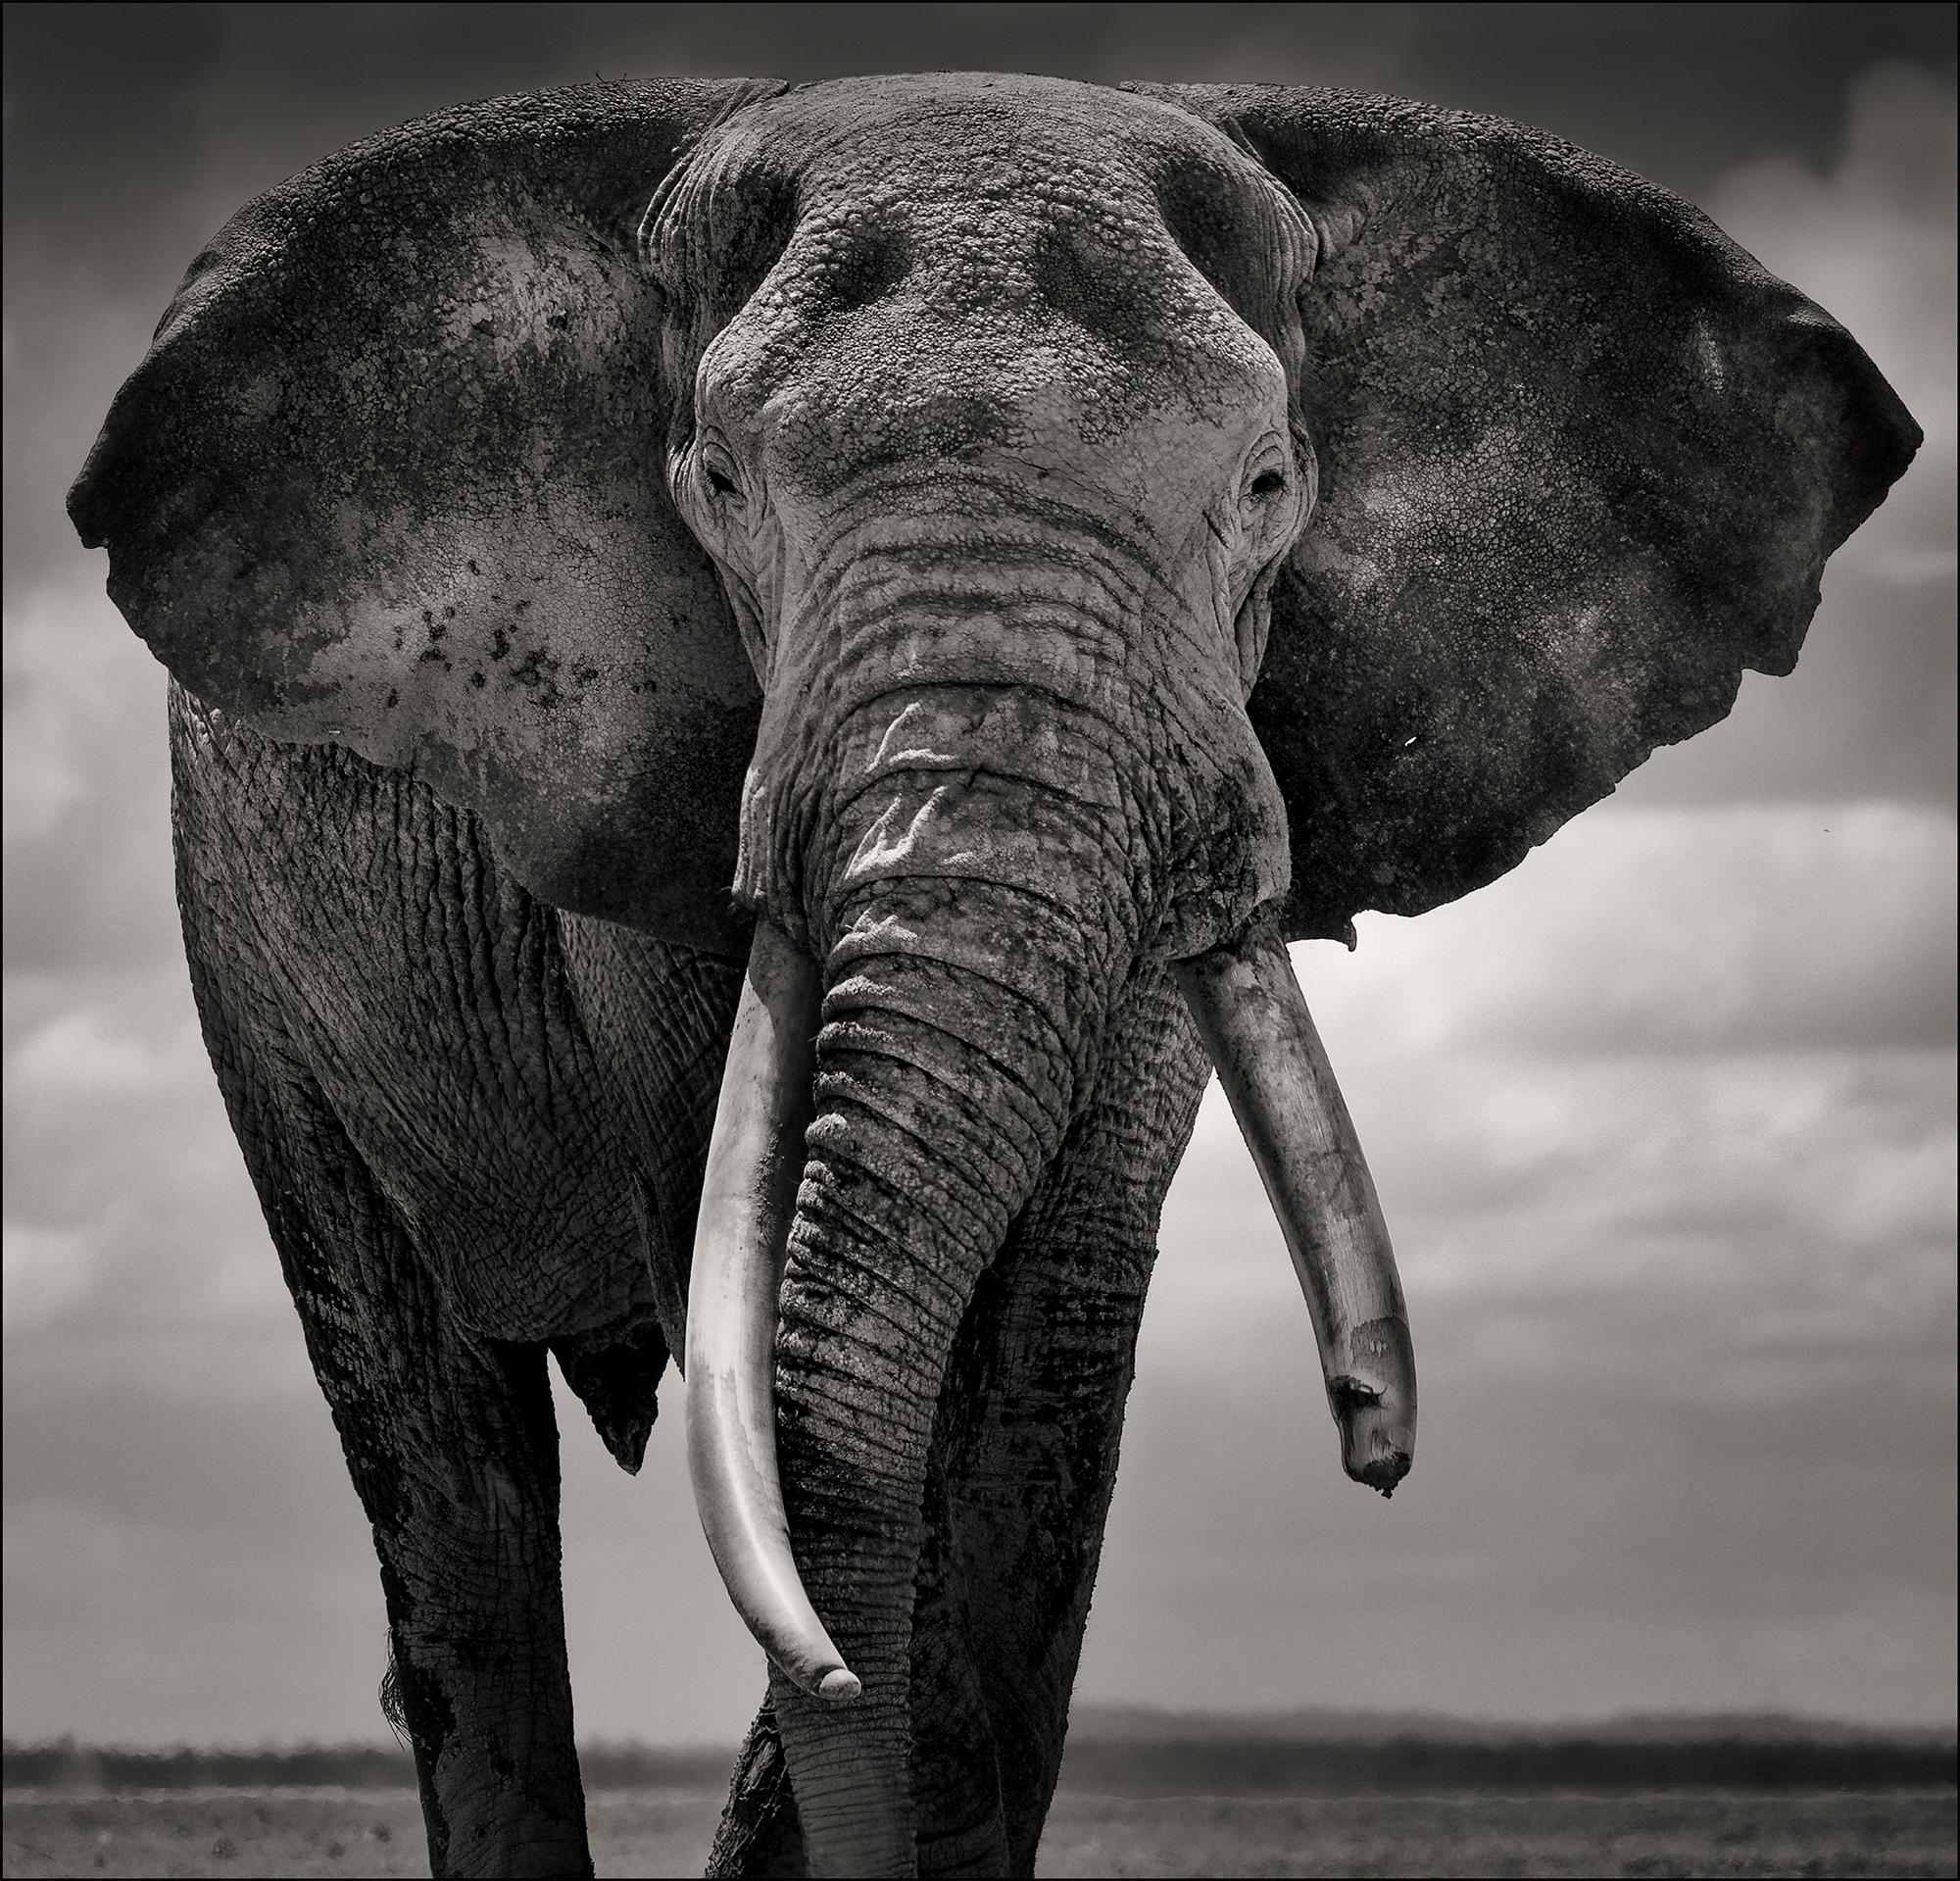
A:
[(393, 475), (1581, 462)]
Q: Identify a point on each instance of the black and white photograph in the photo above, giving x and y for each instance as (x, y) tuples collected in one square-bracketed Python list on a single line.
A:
[(777, 772)]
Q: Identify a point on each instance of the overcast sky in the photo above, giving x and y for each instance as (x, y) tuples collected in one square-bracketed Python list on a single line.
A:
[(1663, 1122)]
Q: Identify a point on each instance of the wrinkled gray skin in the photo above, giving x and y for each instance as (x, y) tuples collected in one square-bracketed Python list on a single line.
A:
[(950, 478)]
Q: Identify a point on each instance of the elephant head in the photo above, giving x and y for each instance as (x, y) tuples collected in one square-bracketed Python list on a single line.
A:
[(978, 543)]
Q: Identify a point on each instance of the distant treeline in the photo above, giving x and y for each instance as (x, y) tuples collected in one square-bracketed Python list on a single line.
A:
[(67, 1765), (1211, 1761), (1417, 1765)]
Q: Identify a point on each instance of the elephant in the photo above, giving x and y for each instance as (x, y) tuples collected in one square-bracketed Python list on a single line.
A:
[(760, 675)]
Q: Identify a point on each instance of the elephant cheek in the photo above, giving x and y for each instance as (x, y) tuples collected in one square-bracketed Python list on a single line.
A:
[(1236, 858)]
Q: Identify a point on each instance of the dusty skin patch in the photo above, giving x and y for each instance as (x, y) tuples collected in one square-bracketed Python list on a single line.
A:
[(345, 1832)]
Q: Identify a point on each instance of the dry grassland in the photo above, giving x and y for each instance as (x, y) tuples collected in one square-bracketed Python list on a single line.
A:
[(325, 1832)]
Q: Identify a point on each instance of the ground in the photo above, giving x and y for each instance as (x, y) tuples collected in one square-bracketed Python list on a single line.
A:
[(353, 1832)]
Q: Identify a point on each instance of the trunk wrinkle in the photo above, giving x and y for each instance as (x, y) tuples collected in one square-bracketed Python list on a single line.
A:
[(911, 764), (938, 889), (948, 1207), (866, 1310), (1036, 1111), (1049, 546), (856, 987), (855, 1041)]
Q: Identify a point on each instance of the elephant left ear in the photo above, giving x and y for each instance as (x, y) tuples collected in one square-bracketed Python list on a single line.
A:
[(393, 475), (1582, 461)]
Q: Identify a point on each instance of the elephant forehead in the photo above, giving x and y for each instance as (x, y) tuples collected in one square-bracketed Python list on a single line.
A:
[(945, 123), (986, 199), (1022, 232), (960, 264)]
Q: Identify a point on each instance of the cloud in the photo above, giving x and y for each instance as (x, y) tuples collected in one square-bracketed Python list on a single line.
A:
[(84, 1053), (72, 688), (1663, 1125), (46, 1269), (1784, 1188), (127, 1208), (1669, 929), (87, 825), (1683, 1329)]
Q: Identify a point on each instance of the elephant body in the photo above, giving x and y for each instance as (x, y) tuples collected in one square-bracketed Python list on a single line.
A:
[(530, 1089), (481, 1140), (761, 675)]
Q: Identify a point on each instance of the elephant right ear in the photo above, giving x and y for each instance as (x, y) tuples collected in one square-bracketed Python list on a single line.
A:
[(393, 475), (1581, 462)]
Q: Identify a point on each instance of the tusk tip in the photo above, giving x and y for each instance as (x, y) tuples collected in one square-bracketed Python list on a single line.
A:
[(1382, 1473), (1377, 1437), (839, 1687), (1373, 1400)]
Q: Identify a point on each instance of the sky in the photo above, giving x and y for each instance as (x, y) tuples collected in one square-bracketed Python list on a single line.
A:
[(1663, 1122)]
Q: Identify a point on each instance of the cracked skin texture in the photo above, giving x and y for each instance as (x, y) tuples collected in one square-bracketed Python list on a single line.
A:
[(467, 701)]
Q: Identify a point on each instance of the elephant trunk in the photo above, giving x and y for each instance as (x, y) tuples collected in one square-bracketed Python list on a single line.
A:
[(941, 1094), (923, 1141), (974, 926)]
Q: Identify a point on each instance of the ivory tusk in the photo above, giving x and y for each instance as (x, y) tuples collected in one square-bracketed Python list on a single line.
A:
[(1254, 1023), (747, 1201)]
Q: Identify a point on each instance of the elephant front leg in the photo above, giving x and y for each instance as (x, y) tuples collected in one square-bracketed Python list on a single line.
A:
[(464, 1504), (453, 1450)]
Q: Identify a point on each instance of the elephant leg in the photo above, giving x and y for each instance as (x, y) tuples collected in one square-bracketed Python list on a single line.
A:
[(453, 1450), (761, 1833), (475, 1611)]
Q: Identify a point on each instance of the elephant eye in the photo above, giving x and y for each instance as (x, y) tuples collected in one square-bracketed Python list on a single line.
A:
[(1268, 484), (719, 472)]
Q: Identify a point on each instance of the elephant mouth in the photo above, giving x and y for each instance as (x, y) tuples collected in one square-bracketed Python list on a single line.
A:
[(1249, 1012)]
